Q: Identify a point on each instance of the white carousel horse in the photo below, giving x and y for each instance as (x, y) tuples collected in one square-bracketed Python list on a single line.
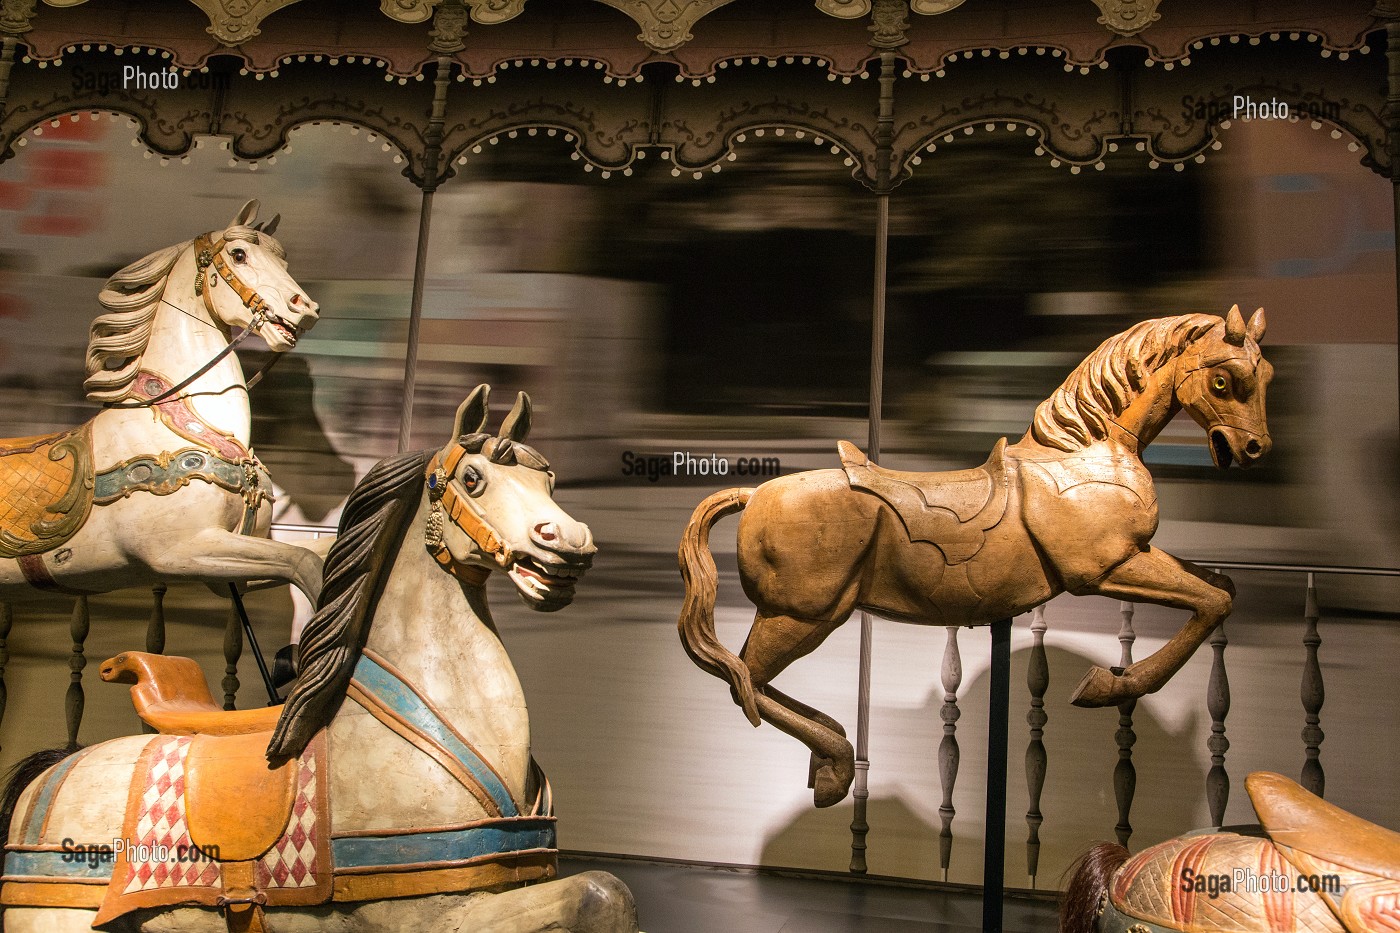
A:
[(161, 484), (395, 790)]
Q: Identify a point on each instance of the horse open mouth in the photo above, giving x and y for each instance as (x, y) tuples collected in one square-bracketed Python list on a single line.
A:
[(1220, 450), (551, 586), (286, 331)]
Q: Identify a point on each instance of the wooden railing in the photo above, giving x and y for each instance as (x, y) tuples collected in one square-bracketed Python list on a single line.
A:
[(1037, 764)]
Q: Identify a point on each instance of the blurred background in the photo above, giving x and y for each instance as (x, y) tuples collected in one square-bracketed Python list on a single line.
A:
[(731, 315)]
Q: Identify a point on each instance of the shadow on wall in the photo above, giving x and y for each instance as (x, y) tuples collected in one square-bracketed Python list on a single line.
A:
[(1077, 800)]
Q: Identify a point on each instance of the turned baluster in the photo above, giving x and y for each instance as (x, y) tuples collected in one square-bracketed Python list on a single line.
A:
[(233, 650), (1038, 680), (1124, 772), (73, 700), (948, 754), (1218, 705), (1313, 695), (155, 628)]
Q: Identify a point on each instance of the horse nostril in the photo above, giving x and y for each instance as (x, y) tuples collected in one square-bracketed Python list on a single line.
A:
[(547, 531), (1253, 448), (296, 299)]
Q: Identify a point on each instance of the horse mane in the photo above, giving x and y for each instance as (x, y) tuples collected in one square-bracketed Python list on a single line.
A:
[(373, 526), (117, 339), (1102, 386)]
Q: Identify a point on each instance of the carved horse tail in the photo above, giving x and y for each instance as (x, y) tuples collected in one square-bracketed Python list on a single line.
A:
[(20, 776), (1088, 885), (697, 621)]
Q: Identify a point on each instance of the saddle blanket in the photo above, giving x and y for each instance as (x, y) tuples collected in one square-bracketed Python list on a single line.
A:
[(45, 490)]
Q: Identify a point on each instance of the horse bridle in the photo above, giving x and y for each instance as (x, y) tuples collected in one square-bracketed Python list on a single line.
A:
[(449, 503), (210, 252)]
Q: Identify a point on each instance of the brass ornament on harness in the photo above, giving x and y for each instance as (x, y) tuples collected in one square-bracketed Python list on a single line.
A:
[(449, 504)]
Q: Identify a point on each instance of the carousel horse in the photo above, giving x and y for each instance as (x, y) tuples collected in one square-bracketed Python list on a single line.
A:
[(161, 484), (1068, 508), (395, 790), (1312, 868)]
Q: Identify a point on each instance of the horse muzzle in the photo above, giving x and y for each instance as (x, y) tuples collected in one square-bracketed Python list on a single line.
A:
[(1230, 445), (547, 573)]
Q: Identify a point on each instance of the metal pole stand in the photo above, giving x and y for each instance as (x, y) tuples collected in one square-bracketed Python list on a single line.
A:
[(998, 715)]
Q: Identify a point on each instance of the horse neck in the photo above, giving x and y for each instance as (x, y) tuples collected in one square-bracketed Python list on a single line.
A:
[(438, 636), (183, 338), (1145, 416)]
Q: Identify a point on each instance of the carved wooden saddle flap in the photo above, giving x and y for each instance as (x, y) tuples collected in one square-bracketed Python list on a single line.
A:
[(952, 510), (45, 490), (1299, 820), (237, 802)]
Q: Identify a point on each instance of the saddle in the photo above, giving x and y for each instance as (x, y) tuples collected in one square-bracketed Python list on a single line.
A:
[(1306, 823), (45, 490), (258, 823), (951, 510)]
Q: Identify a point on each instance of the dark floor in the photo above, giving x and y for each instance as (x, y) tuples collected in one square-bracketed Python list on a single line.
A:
[(681, 898)]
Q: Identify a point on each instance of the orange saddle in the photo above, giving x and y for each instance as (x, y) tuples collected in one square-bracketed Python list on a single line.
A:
[(172, 697), (45, 490)]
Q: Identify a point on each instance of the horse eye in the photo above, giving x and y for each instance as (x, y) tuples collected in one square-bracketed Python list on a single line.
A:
[(472, 481), (1219, 384), (239, 255)]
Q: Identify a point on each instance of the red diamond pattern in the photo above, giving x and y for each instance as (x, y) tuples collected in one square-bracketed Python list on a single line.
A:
[(162, 823), (291, 863)]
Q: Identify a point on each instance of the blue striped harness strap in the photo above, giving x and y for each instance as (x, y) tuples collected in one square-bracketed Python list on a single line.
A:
[(511, 846)]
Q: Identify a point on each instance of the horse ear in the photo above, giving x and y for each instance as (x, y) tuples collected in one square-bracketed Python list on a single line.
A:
[(471, 414), (1234, 327), (1257, 324), (517, 423), (247, 215), (270, 227)]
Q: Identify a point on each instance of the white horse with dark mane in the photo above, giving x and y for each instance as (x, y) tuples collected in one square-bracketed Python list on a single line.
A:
[(161, 484), (396, 789)]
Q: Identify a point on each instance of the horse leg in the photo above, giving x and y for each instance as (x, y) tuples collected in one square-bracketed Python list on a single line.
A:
[(591, 902), (774, 642), (218, 556), (1154, 576)]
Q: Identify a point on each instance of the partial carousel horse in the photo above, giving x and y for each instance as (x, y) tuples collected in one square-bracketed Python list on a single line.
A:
[(1312, 867), (161, 484), (1068, 508), (394, 791)]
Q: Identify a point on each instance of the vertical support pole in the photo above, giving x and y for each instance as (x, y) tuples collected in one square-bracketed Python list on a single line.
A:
[(884, 135), (1313, 694), (1124, 772), (1038, 681), (948, 753), (1391, 114), (7, 64), (432, 157), (155, 628), (233, 650), (73, 700), (998, 731), (1218, 705)]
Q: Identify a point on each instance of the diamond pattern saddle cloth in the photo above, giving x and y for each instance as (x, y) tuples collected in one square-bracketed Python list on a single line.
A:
[(951, 510), (45, 490), (209, 822)]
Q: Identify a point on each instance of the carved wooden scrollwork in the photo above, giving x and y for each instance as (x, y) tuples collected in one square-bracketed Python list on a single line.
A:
[(408, 11), (490, 12), (234, 22), (15, 16), (1128, 17), (666, 23), (844, 9), (934, 7)]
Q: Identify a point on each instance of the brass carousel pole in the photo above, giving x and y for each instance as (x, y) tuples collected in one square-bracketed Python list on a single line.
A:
[(888, 27), (449, 25)]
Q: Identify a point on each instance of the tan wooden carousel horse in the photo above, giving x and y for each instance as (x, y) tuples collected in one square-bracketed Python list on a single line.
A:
[(1068, 508), (394, 791), (1312, 868), (161, 484)]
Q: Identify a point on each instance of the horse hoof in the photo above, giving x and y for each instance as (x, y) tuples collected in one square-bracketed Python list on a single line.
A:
[(814, 765), (827, 788), (1100, 688)]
